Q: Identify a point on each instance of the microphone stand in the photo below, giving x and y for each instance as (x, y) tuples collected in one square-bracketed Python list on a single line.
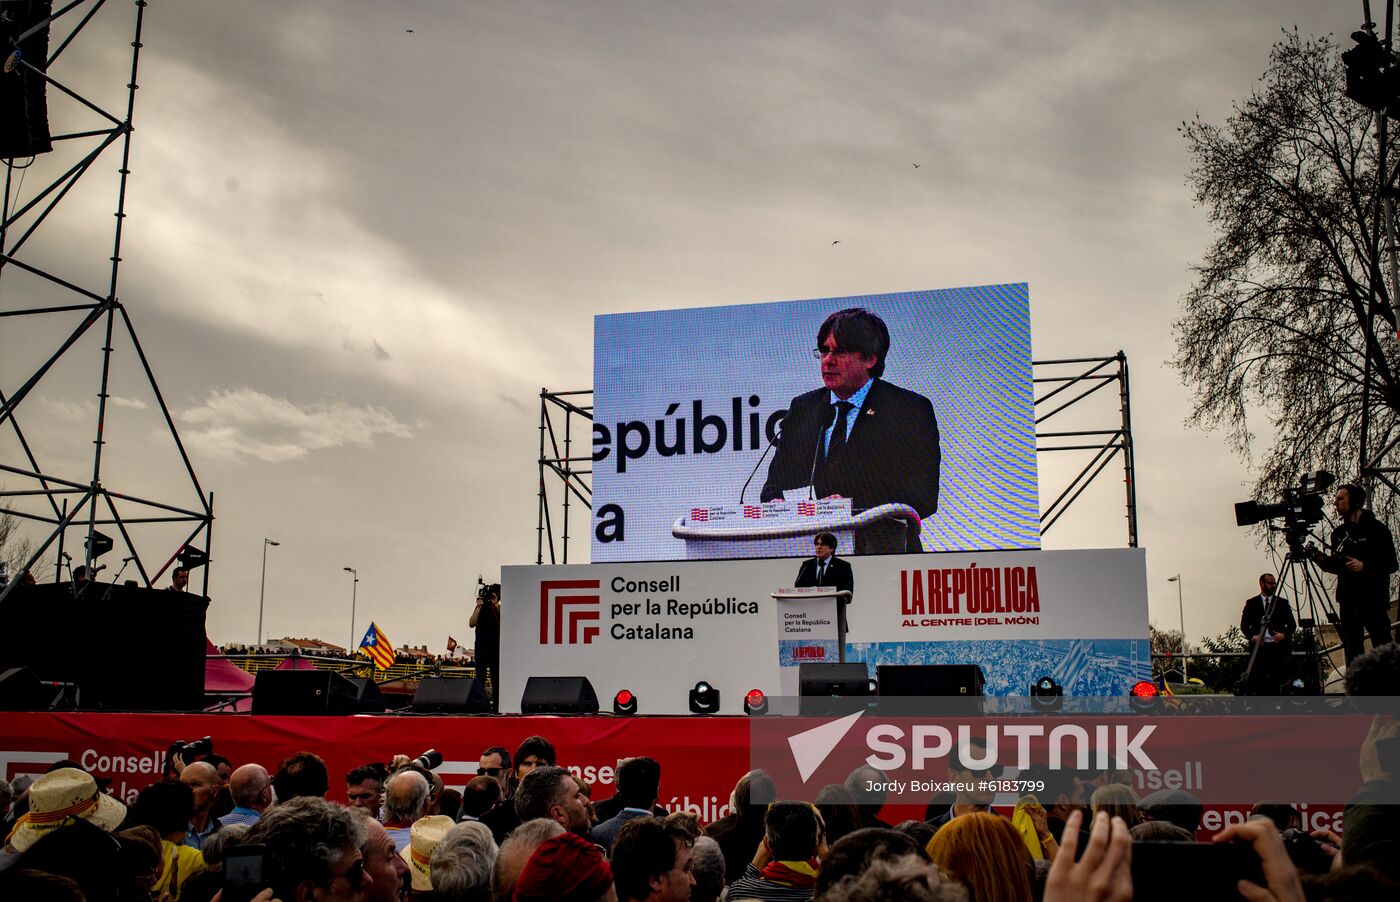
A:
[(116, 579), (828, 418), (771, 442)]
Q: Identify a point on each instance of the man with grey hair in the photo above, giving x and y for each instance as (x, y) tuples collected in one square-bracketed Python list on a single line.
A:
[(386, 874), (707, 864), (461, 864), (405, 801), (552, 792), (250, 787), (908, 877), (869, 800), (7, 797), (216, 846), (20, 802), (515, 852), (312, 849)]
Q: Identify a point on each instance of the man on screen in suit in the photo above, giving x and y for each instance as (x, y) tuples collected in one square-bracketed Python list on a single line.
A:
[(826, 569), (860, 437), (1271, 663)]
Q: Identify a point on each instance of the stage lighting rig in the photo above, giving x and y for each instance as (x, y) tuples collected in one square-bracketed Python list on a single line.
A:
[(625, 703), (755, 703), (1144, 696), (704, 699), (1046, 694)]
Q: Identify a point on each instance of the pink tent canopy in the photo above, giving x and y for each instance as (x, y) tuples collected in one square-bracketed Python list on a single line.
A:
[(221, 675)]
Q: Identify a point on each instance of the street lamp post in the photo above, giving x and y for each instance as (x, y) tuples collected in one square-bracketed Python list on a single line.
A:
[(1181, 611), (354, 586), (262, 589)]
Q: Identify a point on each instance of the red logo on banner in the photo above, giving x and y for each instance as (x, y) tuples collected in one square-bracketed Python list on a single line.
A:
[(753, 510), (574, 616), (699, 514), (807, 508), (809, 653)]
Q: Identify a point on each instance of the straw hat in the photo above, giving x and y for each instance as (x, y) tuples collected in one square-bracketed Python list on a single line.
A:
[(59, 798), (426, 833)]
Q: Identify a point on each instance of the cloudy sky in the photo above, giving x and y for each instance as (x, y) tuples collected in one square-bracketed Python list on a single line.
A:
[(355, 253)]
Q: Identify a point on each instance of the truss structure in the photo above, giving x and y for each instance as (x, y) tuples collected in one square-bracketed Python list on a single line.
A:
[(1069, 385), (1384, 236), (81, 294)]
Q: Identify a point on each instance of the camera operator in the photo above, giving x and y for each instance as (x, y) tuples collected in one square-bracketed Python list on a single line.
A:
[(1267, 622), (486, 620), (1363, 557)]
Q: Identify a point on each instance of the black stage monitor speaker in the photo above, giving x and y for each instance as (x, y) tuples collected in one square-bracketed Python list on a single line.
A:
[(937, 680), (450, 695), (20, 690), (368, 699), (559, 695), (831, 679), (303, 692)]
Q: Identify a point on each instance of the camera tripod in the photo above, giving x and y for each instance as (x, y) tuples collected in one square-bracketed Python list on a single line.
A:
[(1301, 580)]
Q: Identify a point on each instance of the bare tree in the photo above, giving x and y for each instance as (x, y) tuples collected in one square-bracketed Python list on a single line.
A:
[(1289, 296), (1166, 651), (14, 549)]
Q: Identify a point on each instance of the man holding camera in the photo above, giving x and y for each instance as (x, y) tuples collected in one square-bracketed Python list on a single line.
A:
[(1363, 557), (1267, 622), (486, 620)]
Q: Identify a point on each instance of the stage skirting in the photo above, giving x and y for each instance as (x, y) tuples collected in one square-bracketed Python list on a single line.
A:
[(700, 757), (659, 628)]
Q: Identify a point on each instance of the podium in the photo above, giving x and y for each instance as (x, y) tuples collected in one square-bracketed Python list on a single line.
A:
[(776, 529), (811, 630)]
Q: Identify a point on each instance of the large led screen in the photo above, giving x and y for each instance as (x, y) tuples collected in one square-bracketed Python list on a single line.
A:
[(933, 389)]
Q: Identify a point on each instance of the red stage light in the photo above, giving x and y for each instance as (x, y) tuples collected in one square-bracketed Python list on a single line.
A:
[(755, 702), (625, 702), (1144, 689)]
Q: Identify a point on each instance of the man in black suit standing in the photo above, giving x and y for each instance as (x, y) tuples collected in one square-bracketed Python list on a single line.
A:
[(860, 437), (826, 569), (1267, 622)]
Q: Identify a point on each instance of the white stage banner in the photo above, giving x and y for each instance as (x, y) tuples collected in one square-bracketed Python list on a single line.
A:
[(659, 628)]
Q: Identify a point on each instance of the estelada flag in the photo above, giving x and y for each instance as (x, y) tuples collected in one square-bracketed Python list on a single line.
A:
[(378, 647), (451, 645)]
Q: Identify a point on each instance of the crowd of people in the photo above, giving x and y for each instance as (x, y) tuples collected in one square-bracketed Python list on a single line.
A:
[(525, 829), (400, 656)]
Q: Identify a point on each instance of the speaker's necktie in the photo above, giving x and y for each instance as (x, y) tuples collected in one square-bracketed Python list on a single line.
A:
[(838, 433)]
